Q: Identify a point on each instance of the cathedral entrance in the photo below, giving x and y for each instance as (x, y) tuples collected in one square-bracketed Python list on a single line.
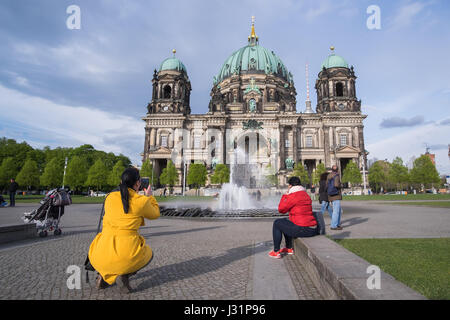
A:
[(158, 166), (310, 166), (249, 159)]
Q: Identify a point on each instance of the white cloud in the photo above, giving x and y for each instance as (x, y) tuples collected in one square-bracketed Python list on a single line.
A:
[(68, 126), (407, 13), (412, 143)]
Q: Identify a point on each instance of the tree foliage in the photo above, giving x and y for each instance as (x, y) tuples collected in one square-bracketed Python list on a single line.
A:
[(300, 171), (169, 175), (221, 174), (197, 175), (52, 176), (379, 175), (116, 174), (97, 175), (352, 174), (29, 175), (424, 172), (76, 173), (318, 172)]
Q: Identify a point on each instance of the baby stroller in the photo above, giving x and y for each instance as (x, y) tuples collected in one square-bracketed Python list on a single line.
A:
[(48, 215)]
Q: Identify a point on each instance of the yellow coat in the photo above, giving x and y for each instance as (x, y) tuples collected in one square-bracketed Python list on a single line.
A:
[(119, 249)]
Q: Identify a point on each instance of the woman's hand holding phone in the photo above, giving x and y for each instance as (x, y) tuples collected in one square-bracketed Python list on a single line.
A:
[(148, 192)]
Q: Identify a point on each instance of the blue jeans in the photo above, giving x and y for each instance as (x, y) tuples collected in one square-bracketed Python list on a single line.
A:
[(336, 218), (326, 205)]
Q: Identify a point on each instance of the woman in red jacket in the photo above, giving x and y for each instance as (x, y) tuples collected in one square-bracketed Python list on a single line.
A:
[(301, 222)]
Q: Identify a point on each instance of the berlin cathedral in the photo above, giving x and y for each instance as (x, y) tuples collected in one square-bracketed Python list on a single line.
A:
[(252, 123)]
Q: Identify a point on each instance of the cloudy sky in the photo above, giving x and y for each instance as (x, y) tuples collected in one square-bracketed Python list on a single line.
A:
[(64, 87)]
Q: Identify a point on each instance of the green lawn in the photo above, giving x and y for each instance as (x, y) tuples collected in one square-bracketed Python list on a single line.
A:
[(437, 204), (392, 197), (421, 264), (83, 199)]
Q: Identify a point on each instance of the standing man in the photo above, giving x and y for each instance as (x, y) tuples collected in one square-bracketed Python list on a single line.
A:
[(335, 197), (12, 193)]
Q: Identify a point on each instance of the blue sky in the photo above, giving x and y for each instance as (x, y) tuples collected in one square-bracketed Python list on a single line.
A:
[(62, 87)]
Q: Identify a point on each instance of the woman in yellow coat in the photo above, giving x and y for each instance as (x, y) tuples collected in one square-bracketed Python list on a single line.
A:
[(119, 251)]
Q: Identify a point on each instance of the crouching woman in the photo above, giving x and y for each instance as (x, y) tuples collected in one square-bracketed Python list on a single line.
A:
[(301, 222), (119, 250)]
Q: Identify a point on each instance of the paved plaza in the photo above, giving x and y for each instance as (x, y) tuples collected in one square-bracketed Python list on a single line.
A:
[(194, 258)]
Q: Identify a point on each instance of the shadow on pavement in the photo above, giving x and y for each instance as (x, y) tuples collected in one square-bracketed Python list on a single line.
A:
[(194, 267), (353, 221), (167, 233)]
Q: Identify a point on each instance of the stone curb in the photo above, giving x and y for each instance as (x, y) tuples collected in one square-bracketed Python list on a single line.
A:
[(16, 232), (341, 274)]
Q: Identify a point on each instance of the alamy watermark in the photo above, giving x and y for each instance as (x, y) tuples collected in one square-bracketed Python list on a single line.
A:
[(374, 20), (74, 280), (73, 22), (374, 280)]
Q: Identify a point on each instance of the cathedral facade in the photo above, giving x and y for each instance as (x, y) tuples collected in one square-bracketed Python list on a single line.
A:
[(252, 124)]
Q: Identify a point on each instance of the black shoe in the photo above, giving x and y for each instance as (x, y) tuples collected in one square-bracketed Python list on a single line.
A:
[(124, 283), (101, 284), (337, 228)]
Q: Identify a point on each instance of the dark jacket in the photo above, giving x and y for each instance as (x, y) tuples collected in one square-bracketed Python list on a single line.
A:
[(13, 187), (323, 195), (337, 184)]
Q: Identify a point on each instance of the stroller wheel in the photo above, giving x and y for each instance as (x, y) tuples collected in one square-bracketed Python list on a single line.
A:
[(57, 232), (43, 234)]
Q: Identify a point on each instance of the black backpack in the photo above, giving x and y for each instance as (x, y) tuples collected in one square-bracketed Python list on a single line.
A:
[(331, 189)]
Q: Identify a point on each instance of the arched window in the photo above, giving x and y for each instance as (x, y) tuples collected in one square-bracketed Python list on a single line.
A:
[(339, 89), (167, 92)]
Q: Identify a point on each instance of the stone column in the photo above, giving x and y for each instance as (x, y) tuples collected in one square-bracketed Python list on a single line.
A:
[(223, 144), (326, 148), (153, 137), (282, 149), (294, 143)]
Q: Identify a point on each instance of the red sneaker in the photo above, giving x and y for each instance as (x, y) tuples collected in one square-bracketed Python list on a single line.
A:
[(275, 254), (287, 251)]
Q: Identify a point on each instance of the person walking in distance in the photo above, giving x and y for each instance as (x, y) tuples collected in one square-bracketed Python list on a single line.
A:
[(323, 195), (335, 197), (12, 193)]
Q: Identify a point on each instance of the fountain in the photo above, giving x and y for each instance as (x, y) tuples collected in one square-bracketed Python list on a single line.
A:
[(234, 200)]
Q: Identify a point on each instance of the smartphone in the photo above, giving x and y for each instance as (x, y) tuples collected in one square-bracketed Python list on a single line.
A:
[(144, 183)]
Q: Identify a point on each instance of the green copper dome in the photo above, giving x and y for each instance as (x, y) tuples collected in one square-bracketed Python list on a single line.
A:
[(172, 64), (334, 61), (253, 58)]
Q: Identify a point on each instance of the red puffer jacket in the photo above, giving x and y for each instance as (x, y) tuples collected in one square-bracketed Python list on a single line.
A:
[(298, 204)]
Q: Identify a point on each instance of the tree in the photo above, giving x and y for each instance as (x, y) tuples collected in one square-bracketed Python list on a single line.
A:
[(271, 176), (116, 174), (53, 174), (197, 175), (147, 171), (352, 174), (8, 171), (76, 173), (29, 175), (9, 148), (424, 172), (221, 174), (398, 173), (169, 175), (318, 172), (300, 171), (97, 175), (379, 175)]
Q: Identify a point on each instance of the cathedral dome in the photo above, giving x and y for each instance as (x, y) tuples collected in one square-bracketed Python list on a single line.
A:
[(334, 61), (172, 64), (253, 58)]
